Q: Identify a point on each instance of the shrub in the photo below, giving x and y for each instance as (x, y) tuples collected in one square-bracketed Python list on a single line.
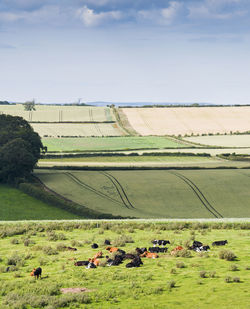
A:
[(76, 243), (227, 255), (203, 274), (233, 267), (171, 284), (212, 274), (121, 241), (14, 241), (228, 279), (14, 259), (182, 253), (172, 271), (103, 263), (49, 250), (180, 265), (236, 279)]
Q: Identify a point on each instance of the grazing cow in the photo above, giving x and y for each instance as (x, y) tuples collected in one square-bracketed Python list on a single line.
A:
[(107, 242), (160, 242), (112, 249), (94, 246), (149, 255), (81, 263), (37, 272), (136, 262), (157, 250), (219, 243)]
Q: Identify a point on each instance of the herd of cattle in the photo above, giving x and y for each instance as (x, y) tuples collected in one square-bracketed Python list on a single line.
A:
[(120, 255)]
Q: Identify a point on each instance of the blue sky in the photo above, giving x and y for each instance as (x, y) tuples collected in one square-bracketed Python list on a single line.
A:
[(125, 50)]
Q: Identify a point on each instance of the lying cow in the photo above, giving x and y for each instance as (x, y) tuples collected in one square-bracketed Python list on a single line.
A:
[(178, 248), (37, 272), (149, 255), (94, 246), (69, 248), (157, 250), (219, 243), (112, 249), (140, 250), (160, 242), (136, 262), (98, 255), (81, 263), (107, 242)]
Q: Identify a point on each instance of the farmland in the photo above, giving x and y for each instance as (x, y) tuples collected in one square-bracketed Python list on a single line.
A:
[(222, 140), (188, 120), (156, 193), (16, 205), (110, 143), (175, 281)]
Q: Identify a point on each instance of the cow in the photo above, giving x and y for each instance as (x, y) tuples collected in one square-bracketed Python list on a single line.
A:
[(70, 248), (81, 263), (136, 262), (107, 242), (178, 248), (112, 249), (149, 255), (157, 250), (98, 255), (91, 265), (140, 250), (94, 246), (118, 259), (37, 272), (160, 242), (219, 243)]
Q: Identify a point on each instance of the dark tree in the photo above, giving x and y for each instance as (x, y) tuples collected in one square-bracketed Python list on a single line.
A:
[(29, 105), (20, 148)]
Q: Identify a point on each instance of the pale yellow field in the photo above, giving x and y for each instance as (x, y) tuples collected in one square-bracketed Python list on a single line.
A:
[(188, 120), (222, 140), (52, 113), (77, 129)]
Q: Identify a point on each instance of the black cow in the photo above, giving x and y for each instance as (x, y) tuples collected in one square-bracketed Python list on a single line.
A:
[(196, 245), (38, 272), (91, 265), (136, 262), (94, 246), (157, 249), (205, 248), (81, 263), (160, 242), (140, 250), (107, 242), (116, 261), (129, 256), (219, 243)]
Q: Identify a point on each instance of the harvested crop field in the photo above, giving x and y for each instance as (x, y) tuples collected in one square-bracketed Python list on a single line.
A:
[(188, 120), (110, 143), (222, 140), (77, 129), (193, 280), (156, 193), (54, 113)]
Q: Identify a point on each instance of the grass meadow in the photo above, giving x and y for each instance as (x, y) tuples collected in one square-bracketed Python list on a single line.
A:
[(195, 280), (110, 143), (16, 205), (156, 193)]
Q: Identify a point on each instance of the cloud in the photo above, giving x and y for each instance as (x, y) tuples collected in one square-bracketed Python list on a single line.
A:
[(7, 46), (90, 18)]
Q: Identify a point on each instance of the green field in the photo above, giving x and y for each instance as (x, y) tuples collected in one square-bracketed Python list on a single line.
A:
[(16, 205), (242, 140), (33, 245), (156, 193), (110, 143)]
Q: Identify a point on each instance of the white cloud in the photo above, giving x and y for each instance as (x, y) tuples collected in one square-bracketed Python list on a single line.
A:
[(91, 19)]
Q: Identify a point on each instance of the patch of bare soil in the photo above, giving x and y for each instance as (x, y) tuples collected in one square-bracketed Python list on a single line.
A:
[(75, 290)]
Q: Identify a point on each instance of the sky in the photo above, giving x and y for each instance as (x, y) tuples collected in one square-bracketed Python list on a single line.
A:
[(57, 51)]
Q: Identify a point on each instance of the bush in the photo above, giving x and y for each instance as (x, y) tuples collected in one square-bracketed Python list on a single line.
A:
[(121, 241), (233, 267), (14, 241), (173, 271), (180, 265), (182, 253), (203, 274), (236, 279), (49, 250), (228, 279), (227, 255), (212, 274), (14, 260), (171, 284), (76, 243)]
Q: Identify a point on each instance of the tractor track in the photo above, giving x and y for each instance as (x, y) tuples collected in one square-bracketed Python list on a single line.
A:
[(91, 117), (199, 194), (120, 190), (84, 185)]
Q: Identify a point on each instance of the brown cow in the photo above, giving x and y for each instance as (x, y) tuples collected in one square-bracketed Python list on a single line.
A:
[(149, 255), (112, 249)]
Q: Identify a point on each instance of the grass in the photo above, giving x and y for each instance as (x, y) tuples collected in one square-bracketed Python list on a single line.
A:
[(109, 143), (16, 205), (152, 285), (156, 193)]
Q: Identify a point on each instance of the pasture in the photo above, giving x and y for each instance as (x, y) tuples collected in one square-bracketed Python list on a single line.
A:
[(193, 281), (188, 120), (222, 140), (110, 143), (16, 205), (58, 113), (156, 193)]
